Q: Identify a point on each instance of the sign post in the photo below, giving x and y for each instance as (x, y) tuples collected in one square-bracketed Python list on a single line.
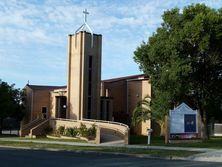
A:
[(148, 136)]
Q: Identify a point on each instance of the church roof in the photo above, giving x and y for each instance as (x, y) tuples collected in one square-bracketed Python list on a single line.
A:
[(45, 87), (126, 78)]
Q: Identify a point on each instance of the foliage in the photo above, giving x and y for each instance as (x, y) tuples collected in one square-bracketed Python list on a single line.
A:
[(10, 102), (142, 111), (92, 132), (75, 131), (71, 132), (48, 129), (83, 130), (183, 60), (61, 130)]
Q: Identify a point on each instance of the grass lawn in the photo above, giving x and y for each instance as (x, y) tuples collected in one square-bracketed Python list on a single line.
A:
[(44, 138), (159, 153), (159, 141), (49, 139)]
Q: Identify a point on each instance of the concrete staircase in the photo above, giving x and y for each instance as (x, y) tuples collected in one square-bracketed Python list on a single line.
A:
[(25, 129)]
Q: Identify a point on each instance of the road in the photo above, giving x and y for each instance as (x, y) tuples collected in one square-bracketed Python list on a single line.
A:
[(38, 158)]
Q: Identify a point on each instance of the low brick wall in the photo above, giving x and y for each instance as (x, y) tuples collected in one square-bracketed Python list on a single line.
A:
[(119, 129), (115, 128), (56, 123)]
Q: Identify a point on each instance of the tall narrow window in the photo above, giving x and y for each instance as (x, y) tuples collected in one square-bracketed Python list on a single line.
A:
[(101, 110), (89, 107), (90, 71), (89, 89), (90, 61), (89, 103), (90, 75), (107, 110)]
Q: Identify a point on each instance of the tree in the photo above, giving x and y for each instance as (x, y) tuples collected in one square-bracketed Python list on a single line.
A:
[(10, 102), (142, 111), (184, 61)]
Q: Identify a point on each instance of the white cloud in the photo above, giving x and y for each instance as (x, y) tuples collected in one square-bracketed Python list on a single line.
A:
[(33, 34)]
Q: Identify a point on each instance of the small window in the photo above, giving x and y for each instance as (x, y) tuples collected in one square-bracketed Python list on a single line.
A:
[(44, 110)]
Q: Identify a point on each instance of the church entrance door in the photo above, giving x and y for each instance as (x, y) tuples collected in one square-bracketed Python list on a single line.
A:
[(61, 106)]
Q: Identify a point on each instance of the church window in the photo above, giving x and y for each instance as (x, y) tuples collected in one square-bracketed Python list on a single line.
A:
[(90, 62), (107, 110), (44, 112), (89, 89)]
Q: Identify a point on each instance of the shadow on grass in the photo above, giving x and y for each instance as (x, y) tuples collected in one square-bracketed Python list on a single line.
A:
[(159, 141), (156, 153)]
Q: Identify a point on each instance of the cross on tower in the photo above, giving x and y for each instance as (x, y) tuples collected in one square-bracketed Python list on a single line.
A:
[(85, 13), (85, 25)]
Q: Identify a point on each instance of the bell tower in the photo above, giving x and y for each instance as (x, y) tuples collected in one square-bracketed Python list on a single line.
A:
[(84, 73)]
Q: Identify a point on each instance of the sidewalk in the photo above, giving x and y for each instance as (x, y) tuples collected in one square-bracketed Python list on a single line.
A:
[(212, 155), (112, 145)]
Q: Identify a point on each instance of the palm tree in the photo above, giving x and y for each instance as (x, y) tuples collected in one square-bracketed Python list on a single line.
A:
[(142, 112)]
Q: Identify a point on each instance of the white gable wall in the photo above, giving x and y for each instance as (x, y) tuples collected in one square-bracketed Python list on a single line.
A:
[(177, 118)]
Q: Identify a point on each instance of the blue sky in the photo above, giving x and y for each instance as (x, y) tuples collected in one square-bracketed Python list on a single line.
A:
[(33, 35)]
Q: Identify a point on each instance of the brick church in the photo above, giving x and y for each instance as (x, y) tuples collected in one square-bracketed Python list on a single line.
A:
[(86, 96)]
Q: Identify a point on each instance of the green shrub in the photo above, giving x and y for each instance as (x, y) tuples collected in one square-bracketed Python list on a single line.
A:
[(75, 131), (56, 133), (92, 132), (68, 132), (71, 132), (48, 129), (89, 133), (83, 130), (61, 130)]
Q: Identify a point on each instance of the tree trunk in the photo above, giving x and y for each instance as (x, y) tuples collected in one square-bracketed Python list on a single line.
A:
[(204, 125), (167, 129), (162, 128)]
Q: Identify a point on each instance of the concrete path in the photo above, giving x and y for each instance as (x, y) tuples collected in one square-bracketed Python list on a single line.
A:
[(110, 145), (211, 155), (107, 139)]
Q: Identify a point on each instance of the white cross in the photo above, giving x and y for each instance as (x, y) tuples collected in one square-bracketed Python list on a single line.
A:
[(85, 13)]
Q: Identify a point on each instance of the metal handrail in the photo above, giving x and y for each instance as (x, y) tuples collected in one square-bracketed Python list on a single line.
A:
[(42, 123), (31, 123)]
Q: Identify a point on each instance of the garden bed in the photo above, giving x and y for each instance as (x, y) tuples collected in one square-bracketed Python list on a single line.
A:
[(81, 133)]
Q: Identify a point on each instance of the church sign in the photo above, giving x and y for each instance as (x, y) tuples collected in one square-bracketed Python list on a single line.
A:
[(183, 122)]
